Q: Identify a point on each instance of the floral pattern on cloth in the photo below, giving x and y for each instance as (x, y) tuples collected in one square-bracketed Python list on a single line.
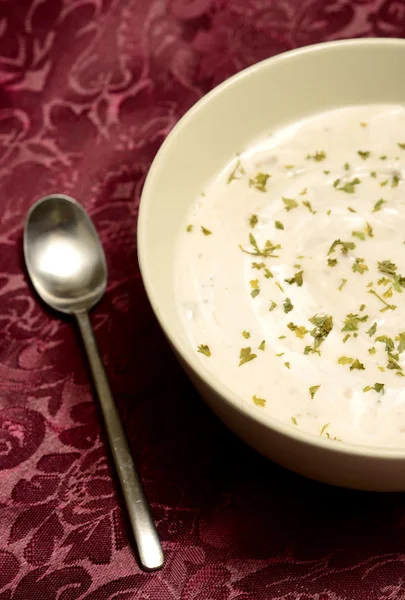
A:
[(89, 89)]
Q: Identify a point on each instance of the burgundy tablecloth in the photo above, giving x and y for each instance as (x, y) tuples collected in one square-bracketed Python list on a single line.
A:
[(88, 91)]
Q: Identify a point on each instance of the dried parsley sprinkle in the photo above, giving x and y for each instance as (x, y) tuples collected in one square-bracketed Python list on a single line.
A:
[(296, 279), (259, 401), (346, 246), (237, 172), (372, 350), (402, 146), (206, 231), (346, 338), (279, 286), (350, 209), (294, 420), (279, 225), (266, 252), (300, 332), (359, 266), (372, 329), (384, 183), (346, 166), (259, 182), (246, 355), (287, 364), (189, 228), (352, 322), (262, 345), (288, 307), (386, 266), (373, 174), (350, 186), (383, 157), (204, 349), (363, 154), (323, 327), (313, 389), (378, 387), (378, 204), (362, 307), (324, 428), (332, 262), (308, 205), (395, 181), (246, 334), (326, 172), (253, 221), (345, 360), (254, 284), (359, 234), (387, 306), (356, 364), (317, 156), (303, 192), (289, 203), (363, 124), (272, 306), (344, 281)]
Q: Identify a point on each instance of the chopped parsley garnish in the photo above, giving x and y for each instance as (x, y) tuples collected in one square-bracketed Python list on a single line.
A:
[(363, 124), (253, 221), (237, 172), (387, 306), (323, 327), (395, 181), (317, 156), (402, 146), (349, 187), (294, 420), (279, 225), (350, 209), (288, 307), (332, 262), (346, 246), (287, 364), (372, 329), (386, 266), (280, 287), (363, 154), (246, 356), (259, 401), (359, 234), (359, 267), (345, 360), (259, 182), (189, 228), (206, 231), (272, 306), (384, 183), (262, 345), (346, 166), (373, 174), (266, 252), (308, 205), (289, 203), (344, 281), (324, 428), (254, 284), (296, 279), (346, 338), (303, 192), (356, 364), (313, 389), (378, 387), (204, 349), (246, 334), (362, 307), (300, 331), (352, 322), (372, 350)]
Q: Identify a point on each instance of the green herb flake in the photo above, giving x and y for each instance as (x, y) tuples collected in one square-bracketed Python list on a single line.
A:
[(402, 146), (346, 166), (279, 225), (267, 251), (294, 420), (300, 331), (189, 228), (346, 338), (289, 203), (313, 389), (254, 284), (378, 387), (308, 205), (282, 337), (206, 231), (383, 157), (350, 186), (350, 209), (272, 306), (246, 356), (324, 428), (259, 182), (287, 364), (386, 266), (246, 334), (372, 329), (395, 180), (373, 174), (356, 364), (323, 327), (204, 349), (359, 267), (237, 172), (345, 246), (332, 262), (259, 401), (279, 286), (359, 234), (298, 279), (372, 350), (262, 346), (326, 172), (303, 192), (288, 166), (345, 360), (387, 306), (344, 281), (288, 307), (318, 156), (352, 322), (363, 124), (253, 221), (363, 154)]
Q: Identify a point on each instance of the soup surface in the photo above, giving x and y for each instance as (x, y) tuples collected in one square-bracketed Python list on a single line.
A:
[(290, 275)]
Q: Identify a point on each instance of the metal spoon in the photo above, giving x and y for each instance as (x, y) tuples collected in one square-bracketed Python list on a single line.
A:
[(67, 266)]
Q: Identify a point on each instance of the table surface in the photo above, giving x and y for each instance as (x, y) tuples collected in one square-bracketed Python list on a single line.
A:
[(88, 91)]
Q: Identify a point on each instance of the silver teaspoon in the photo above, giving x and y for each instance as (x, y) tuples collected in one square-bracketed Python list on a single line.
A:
[(67, 266)]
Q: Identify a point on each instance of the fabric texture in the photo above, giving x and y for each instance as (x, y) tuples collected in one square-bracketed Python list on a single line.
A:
[(88, 91)]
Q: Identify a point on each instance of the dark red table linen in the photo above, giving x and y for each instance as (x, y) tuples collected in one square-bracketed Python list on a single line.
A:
[(88, 91)]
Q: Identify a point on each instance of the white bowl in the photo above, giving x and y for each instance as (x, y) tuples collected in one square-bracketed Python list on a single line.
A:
[(264, 97)]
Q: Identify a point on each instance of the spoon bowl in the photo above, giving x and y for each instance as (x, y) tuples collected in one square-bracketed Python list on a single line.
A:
[(64, 256)]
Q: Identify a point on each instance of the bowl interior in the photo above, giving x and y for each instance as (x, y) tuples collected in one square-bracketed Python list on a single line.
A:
[(261, 99)]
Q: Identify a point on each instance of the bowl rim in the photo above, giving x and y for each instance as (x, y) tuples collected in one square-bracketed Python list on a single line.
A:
[(183, 350)]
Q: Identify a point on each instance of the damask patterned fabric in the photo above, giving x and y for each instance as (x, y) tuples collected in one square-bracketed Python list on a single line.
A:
[(88, 91)]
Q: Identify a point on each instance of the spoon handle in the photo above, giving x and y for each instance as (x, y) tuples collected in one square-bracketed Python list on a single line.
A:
[(146, 536)]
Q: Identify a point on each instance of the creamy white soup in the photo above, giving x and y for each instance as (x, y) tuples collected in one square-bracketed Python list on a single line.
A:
[(290, 275)]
